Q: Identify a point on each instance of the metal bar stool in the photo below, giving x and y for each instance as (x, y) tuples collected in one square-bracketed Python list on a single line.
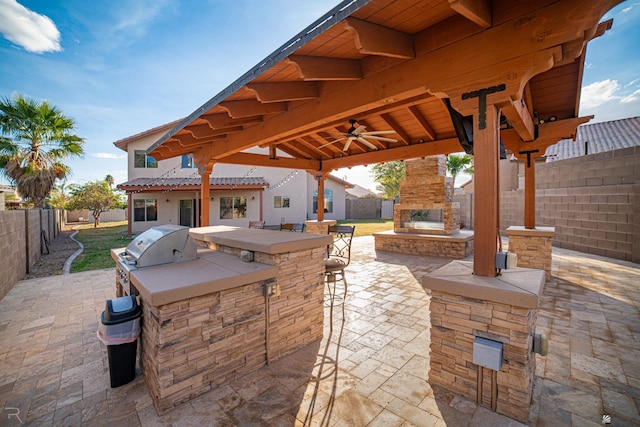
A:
[(338, 258)]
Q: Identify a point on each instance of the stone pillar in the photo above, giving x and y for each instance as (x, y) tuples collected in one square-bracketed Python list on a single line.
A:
[(533, 247), (318, 227), (503, 309)]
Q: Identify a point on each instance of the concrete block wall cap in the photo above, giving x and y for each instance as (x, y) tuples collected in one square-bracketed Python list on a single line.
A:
[(213, 271), (519, 230), (258, 240), (520, 287)]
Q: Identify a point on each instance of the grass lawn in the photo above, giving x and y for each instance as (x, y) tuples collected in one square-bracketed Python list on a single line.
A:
[(97, 245), (366, 227), (98, 242)]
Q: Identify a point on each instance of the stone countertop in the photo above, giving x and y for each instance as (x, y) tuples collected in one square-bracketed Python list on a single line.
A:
[(258, 240), (521, 287), (212, 271)]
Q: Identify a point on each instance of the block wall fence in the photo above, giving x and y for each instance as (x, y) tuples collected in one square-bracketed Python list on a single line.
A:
[(21, 243), (592, 201)]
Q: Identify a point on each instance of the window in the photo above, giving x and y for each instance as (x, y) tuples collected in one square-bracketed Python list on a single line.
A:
[(187, 162), (328, 201), (141, 160), (145, 210), (280, 201), (233, 207)]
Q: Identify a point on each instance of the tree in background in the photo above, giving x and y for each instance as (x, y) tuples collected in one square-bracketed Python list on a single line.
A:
[(97, 197), (388, 176), (59, 195), (457, 164), (35, 139), (109, 180)]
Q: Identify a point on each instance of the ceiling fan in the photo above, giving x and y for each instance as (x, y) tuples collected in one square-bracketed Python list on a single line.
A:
[(359, 134)]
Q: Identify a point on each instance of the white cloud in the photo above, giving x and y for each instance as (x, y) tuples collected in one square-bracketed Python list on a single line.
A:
[(635, 96), (598, 93), (23, 27), (109, 156)]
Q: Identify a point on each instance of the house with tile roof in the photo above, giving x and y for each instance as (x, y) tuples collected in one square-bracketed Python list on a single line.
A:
[(168, 191), (593, 138)]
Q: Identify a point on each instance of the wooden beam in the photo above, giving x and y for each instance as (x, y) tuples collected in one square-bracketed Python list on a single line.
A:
[(223, 120), (262, 160), (478, 11), (530, 193), (444, 146), (549, 133), (313, 68), (404, 137), (250, 107), (486, 154), (204, 132), (520, 118), (285, 91), (430, 133), (374, 39)]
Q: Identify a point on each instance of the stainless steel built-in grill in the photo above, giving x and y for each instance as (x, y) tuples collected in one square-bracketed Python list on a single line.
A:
[(158, 245)]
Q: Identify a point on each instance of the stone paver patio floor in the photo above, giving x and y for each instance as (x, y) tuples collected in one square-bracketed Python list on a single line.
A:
[(371, 370)]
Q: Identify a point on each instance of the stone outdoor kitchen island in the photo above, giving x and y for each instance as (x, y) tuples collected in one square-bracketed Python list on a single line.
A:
[(213, 319)]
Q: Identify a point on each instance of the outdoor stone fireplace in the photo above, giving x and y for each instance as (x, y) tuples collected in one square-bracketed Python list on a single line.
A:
[(427, 220)]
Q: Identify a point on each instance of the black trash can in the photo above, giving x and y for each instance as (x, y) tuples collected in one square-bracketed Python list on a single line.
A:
[(119, 330)]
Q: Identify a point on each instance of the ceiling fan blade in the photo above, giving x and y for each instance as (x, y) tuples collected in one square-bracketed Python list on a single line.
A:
[(367, 143), (378, 132), (330, 143), (359, 130), (348, 143), (381, 138)]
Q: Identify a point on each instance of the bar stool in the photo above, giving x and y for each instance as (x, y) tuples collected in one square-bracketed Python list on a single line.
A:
[(338, 258)]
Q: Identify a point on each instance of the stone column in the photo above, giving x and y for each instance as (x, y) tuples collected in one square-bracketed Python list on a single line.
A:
[(502, 309), (533, 247)]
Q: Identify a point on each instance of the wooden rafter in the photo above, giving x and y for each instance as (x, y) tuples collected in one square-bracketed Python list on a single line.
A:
[(477, 11), (415, 112), (250, 108), (374, 39), (285, 91), (313, 68)]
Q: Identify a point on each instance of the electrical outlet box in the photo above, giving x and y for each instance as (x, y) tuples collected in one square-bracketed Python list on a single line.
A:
[(246, 256), (271, 288), (487, 353), (540, 344), (501, 260)]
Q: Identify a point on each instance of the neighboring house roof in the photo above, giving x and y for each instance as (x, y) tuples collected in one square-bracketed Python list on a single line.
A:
[(359, 191), (7, 189), (597, 138), (122, 143), (340, 181), (155, 184)]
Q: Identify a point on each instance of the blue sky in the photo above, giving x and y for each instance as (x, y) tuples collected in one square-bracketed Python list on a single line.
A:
[(121, 67)]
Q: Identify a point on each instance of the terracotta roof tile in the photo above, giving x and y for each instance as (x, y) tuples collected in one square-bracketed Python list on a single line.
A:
[(183, 182)]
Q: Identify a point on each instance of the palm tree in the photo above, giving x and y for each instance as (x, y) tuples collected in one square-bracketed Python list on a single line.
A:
[(109, 180), (459, 164), (35, 140)]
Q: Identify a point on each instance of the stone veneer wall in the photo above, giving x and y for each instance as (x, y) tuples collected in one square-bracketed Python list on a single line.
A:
[(408, 243), (533, 251), (204, 342), (427, 187), (455, 322)]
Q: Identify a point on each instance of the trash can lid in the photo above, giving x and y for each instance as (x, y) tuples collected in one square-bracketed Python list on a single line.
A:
[(119, 310)]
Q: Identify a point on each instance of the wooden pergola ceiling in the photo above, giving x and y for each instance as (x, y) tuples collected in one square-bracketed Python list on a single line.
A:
[(390, 64)]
